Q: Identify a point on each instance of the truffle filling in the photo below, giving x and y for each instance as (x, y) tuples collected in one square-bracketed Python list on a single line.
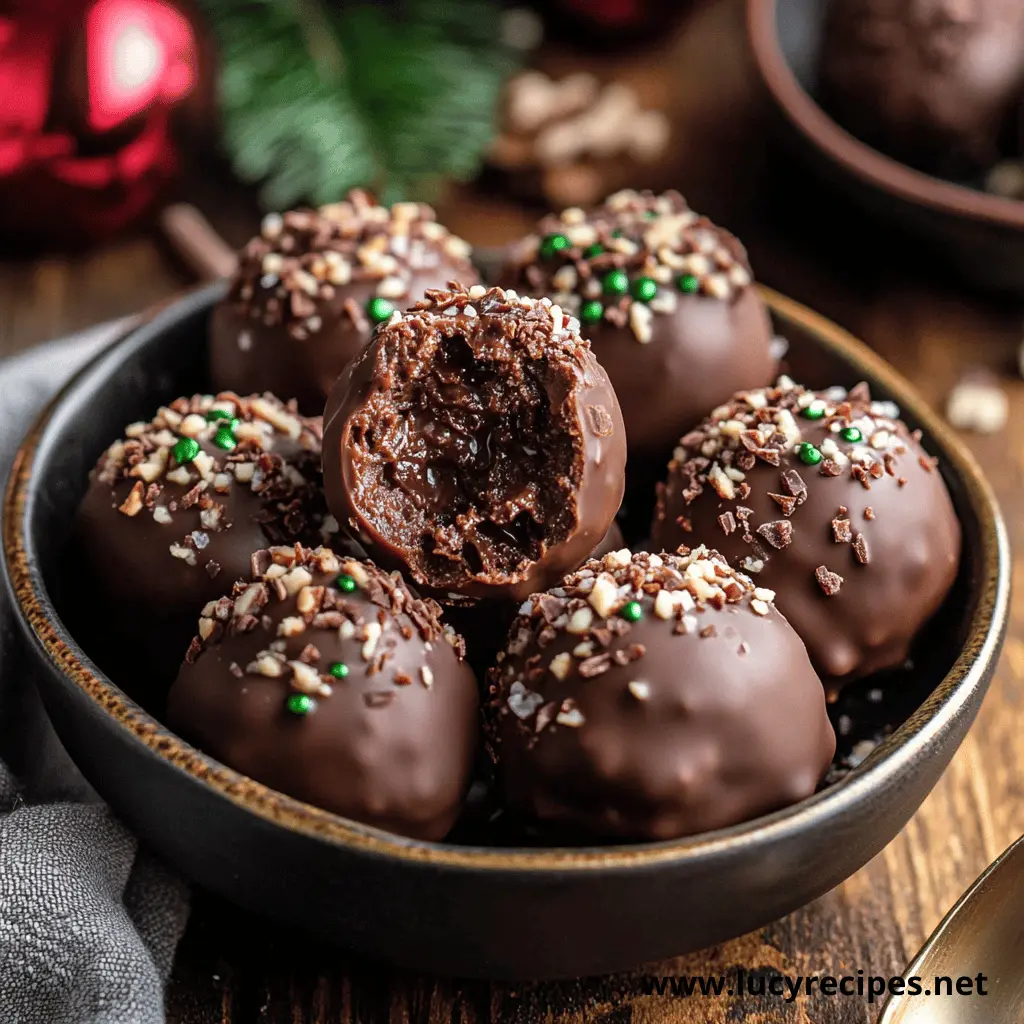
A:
[(469, 462)]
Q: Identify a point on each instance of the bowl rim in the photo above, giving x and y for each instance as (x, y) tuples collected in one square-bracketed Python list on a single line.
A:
[(857, 157), (967, 676)]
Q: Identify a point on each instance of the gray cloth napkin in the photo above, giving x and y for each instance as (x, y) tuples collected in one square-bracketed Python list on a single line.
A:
[(88, 923)]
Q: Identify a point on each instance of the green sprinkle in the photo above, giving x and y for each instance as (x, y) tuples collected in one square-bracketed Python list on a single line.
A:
[(225, 439), (593, 250), (218, 414), (300, 704), (632, 612), (644, 289), (851, 434), (615, 282), (814, 411), (553, 245), (185, 450), (379, 309), (809, 455), (339, 670), (688, 283), (591, 312), (650, 214), (618, 233), (346, 584)]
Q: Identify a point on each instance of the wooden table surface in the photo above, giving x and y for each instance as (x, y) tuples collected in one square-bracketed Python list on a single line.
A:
[(234, 969)]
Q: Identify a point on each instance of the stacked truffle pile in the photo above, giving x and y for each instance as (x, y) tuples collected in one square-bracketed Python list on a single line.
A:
[(474, 448), (939, 86)]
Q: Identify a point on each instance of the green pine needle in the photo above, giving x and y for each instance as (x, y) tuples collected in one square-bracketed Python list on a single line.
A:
[(318, 99)]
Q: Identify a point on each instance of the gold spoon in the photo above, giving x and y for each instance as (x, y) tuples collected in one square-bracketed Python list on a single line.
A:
[(982, 937)]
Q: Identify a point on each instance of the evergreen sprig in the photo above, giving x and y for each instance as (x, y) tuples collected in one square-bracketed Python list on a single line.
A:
[(317, 98)]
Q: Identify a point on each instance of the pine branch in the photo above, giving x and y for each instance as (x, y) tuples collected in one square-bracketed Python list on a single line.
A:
[(316, 100)]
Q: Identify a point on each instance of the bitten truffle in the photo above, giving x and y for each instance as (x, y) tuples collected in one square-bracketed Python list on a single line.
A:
[(329, 680), (655, 696), (476, 445), (666, 300), (931, 84), (311, 286), (829, 500), (176, 508)]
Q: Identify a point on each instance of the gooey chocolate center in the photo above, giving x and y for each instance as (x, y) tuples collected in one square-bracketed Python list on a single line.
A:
[(470, 461)]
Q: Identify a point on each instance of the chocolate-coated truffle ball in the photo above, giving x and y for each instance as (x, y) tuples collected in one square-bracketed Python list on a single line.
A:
[(665, 299), (829, 500), (932, 84), (476, 445), (329, 680), (310, 288), (176, 508), (654, 696)]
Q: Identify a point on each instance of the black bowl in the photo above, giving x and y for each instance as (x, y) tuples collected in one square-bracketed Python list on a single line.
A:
[(979, 235), (473, 909)]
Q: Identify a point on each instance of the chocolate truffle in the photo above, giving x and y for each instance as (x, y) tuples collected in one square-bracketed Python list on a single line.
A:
[(655, 696), (666, 300), (476, 445), (931, 84), (311, 286), (176, 508), (329, 680), (829, 500)]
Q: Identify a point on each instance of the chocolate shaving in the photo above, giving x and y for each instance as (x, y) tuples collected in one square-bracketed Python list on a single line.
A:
[(830, 582), (727, 521), (860, 548), (793, 484), (785, 502), (841, 531), (778, 533)]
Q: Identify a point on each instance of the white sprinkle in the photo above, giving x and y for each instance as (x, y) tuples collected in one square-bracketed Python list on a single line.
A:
[(580, 621), (640, 320), (560, 665), (305, 678), (751, 564), (570, 716), (162, 515), (187, 555), (295, 580), (426, 676), (604, 596), (523, 702), (200, 539), (640, 690), (371, 635)]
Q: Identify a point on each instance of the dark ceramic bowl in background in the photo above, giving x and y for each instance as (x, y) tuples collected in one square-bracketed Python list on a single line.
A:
[(981, 236), (465, 909)]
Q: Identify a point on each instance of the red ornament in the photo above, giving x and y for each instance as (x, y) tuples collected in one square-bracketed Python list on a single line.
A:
[(87, 89)]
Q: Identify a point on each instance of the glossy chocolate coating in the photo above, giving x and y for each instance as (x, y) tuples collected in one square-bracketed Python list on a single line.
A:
[(702, 713), (391, 744), (896, 546), (476, 445), (932, 84), (297, 312), (161, 539), (672, 357)]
